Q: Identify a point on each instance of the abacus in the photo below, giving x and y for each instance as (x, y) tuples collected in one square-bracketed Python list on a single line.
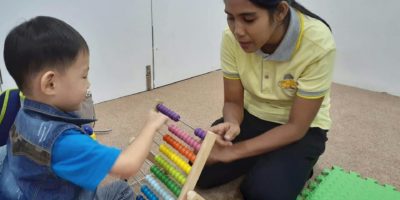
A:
[(172, 177)]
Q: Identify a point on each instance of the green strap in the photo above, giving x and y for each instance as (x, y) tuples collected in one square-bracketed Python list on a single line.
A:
[(4, 107), (21, 96), (5, 103)]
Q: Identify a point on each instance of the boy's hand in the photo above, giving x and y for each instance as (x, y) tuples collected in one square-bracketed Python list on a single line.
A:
[(156, 119)]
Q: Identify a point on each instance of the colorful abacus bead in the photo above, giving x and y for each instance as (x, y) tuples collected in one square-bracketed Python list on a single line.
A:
[(180, 148), (175, 158), (171, 185), (148, 193), (140, 197), (166, 111), (200, 133), (185, 137), (89, 131), (157, 187), (180, 178)]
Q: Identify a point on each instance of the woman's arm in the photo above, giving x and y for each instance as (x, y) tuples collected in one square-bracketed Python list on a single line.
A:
[(301, 116), (316, 77), (233, 117), (233, 106)]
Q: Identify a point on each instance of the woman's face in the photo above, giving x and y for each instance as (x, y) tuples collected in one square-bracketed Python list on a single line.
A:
[(252, 26)]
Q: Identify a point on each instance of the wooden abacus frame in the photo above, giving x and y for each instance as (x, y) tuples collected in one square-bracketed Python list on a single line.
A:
[(198, 165)]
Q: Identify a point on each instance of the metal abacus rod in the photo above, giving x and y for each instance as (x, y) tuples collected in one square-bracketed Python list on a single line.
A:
[(171, 114), (193, 172), (182, 164), (185, 137), (178, 176), (171, 185), (174, 116), (179, 147)]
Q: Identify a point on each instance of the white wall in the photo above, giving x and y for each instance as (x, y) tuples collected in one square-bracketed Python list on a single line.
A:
[(187, 37), (367, 34), (118, 34)]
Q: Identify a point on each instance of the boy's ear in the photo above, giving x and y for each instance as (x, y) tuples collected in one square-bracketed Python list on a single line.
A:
[(48, 83)]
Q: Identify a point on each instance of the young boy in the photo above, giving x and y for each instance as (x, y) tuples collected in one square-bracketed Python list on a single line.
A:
[(48, 154)]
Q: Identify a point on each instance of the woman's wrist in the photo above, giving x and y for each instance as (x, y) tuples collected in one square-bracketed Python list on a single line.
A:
[(236, 152)]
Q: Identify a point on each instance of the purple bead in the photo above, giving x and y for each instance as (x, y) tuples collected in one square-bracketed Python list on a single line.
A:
[(171, 114), (200, 133)]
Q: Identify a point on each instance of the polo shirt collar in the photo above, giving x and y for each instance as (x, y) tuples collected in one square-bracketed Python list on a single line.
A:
[(289, 42)]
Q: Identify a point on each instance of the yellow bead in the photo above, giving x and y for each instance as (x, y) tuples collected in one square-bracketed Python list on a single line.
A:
[(93, 136)]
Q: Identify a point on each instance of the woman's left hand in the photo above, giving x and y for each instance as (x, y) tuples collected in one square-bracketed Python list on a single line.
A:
[(227, 132), (220, 153)]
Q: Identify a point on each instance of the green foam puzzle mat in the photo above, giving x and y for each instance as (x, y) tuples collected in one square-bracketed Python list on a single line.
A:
[(337, 184)]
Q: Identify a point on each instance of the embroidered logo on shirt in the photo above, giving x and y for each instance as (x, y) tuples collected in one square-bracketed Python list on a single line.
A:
[(288, 84)]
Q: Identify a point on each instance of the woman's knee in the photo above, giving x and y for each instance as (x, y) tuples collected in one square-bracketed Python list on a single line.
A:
[(202, 184), (272, 191), (206, 181)]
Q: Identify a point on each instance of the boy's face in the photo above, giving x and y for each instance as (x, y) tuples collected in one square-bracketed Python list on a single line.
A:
[(73, 84)]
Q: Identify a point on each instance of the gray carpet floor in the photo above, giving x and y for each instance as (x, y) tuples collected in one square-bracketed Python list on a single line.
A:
[(365, 136)]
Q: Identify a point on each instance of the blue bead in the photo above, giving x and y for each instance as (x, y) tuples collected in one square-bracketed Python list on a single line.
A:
[(88, 129)]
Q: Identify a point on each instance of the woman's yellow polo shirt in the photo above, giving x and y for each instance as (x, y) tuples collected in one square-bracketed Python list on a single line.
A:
[(302, 65)]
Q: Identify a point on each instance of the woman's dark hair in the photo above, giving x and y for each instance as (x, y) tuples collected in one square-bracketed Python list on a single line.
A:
[(38, 43), (272, 5)]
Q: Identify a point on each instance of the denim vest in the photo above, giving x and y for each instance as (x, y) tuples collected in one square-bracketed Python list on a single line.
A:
[(27, 172)]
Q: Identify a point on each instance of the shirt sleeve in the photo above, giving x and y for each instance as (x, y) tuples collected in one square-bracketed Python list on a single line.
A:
[(81, 160), (316, 80), (228, 62)]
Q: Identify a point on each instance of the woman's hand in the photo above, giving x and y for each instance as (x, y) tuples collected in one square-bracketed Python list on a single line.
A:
[(227, 132), (221, 153)]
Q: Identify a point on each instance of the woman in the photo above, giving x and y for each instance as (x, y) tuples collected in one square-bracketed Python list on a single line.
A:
[(277, 61)]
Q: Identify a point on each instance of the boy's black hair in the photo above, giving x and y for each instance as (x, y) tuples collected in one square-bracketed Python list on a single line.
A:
[(42, 42)]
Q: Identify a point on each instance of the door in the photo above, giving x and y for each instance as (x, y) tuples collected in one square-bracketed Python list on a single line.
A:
[(118, 34), (187, 37)]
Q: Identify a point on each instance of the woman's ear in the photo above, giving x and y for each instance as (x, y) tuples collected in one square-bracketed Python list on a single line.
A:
[(282, 11), (48, 83)]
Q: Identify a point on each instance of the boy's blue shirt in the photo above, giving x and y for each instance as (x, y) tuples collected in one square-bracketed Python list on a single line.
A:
[(81, 160), (44, 152)]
